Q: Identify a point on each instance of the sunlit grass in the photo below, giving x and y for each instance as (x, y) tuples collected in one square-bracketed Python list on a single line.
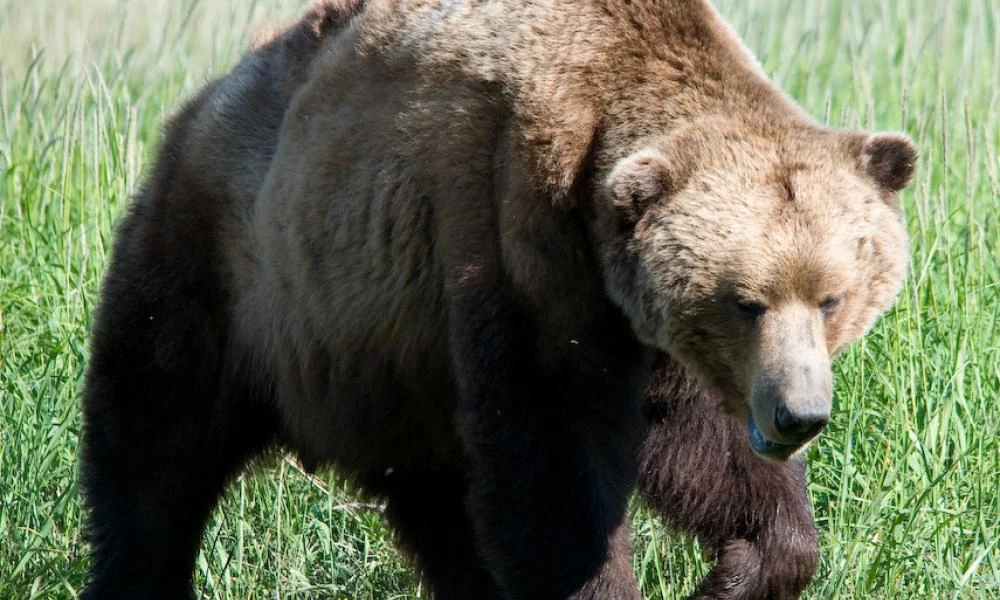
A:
[(906, 482)]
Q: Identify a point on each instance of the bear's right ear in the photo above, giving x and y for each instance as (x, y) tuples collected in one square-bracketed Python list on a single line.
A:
[(889, 159), (638, 181)]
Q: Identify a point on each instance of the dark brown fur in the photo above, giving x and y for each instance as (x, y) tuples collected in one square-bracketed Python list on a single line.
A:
[(698, 471), (162, 377), (391, 240)]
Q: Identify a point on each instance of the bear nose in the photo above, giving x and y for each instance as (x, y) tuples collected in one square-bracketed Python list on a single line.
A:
[(799, 427)]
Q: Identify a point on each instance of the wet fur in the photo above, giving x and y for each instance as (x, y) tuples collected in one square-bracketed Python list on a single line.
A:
[(426, 311)]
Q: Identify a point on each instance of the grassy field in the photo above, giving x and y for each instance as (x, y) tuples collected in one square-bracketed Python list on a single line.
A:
[(906, 482)]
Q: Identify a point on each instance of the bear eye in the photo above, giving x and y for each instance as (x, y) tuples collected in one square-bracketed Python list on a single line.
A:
[(750, 309), (829, 305)]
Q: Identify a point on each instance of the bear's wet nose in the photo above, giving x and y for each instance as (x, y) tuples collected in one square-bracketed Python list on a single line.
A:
[(799, 427)]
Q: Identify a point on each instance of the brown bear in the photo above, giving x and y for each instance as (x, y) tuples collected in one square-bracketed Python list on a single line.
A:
[(500, 263)]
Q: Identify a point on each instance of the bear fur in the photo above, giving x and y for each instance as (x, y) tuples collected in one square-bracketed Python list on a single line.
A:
[(500, 263)]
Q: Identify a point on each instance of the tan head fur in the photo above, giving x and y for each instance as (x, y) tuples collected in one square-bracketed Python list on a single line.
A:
[(754, 255)]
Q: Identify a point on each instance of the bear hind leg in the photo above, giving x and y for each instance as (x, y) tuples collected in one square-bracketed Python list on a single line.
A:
[(163, 432)]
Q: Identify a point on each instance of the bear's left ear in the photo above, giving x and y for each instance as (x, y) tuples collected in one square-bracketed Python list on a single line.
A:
[(889, 159), (638, 181)]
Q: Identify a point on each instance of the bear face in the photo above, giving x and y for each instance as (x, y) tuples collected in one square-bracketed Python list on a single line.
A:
[(754, 254)]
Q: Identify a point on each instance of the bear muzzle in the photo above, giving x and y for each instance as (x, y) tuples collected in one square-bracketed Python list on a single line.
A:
[(790, 406)]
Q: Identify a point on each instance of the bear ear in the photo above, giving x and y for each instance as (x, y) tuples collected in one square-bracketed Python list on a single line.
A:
[(889, 159), (638, 181)]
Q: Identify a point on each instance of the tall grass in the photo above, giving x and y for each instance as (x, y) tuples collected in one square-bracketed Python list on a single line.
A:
[(905, 483)]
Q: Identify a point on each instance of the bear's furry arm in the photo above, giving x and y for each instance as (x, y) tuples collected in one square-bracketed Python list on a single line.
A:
[(697, 470), (550, 382)]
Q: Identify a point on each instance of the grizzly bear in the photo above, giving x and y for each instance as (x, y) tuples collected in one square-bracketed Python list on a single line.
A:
[(500, 263)]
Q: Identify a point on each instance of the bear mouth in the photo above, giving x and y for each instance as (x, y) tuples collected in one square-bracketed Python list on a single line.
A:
[(765, 448)]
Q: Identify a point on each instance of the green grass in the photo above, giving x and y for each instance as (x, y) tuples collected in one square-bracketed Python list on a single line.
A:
[(906, 482)]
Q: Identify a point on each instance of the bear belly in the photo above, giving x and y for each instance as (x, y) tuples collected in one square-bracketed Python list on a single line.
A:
[(347, 313), (364, 411)]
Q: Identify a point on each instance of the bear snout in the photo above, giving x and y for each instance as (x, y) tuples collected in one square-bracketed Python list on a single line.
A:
[(799, 427), (791, 405)]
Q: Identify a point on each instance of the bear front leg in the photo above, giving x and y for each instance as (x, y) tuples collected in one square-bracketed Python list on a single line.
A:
[(615, 580), (550, 449), (427, 510), (697, 469)]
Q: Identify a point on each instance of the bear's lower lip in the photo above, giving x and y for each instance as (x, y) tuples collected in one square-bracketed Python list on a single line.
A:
[(765, 447)]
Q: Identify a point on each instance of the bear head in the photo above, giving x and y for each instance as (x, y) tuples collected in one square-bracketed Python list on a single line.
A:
[(753, 255)]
